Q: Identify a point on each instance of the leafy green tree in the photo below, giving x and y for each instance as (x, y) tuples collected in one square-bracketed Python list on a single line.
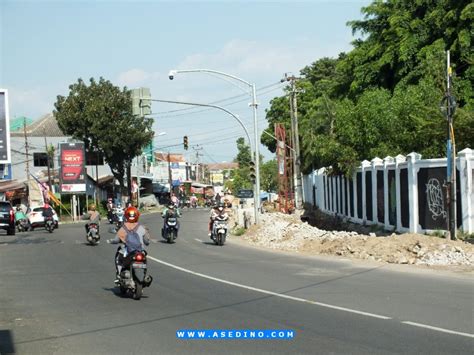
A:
[(269, 175), (382, 97), (240, 176), (100, 115)]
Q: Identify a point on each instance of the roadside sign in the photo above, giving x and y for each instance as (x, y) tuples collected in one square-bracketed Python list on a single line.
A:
[(72, 160), (5, 155)]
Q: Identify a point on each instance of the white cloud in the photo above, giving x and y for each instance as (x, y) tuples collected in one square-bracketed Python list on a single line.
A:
[(257, 60), (136, 77), (30, 102)]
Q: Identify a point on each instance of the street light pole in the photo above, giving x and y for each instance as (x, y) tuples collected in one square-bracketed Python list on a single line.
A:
[(257, 157), (254, 105)]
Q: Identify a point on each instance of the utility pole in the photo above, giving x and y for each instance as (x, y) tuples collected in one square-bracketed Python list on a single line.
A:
[(48, 160), (170, 181), (448, 105), (27, 160), (295, 141), (198, 171)]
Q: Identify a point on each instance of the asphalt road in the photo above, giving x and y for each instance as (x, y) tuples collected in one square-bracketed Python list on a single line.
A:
[(57, 297)]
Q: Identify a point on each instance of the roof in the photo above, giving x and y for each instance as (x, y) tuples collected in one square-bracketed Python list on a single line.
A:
[(17, 123), (173, 158), (10, 185), (106, 179), (223, 166), (45, 125)]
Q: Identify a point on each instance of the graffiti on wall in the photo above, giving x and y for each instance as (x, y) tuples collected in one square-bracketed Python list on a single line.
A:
[(434, 199)]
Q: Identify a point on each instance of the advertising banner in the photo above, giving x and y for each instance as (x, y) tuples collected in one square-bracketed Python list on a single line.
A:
[(4, 128), (72, 160)]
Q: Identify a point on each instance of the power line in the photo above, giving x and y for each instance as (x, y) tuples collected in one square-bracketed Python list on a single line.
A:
[(161, 116), (218, 101), (207, 132)]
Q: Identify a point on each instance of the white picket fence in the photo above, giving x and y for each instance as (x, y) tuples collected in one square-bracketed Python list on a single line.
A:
[(403, 194)]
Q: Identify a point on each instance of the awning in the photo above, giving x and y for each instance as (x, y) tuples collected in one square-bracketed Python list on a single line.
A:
[(11, 185)]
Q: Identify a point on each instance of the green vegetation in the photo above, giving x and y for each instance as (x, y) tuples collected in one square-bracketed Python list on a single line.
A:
[(101, 116), (238, 231), (464, 235), (382, 98), (240, 177)]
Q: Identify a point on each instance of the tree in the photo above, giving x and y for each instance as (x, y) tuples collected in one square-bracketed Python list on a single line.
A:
[(382, 97), (240, 177), (100, 115), (268, 175), (244, 156)]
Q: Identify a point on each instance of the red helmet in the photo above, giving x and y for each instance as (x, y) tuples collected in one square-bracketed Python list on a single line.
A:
[(131, 214)]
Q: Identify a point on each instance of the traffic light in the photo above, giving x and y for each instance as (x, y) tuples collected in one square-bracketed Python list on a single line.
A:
[(252, 172), (185, 142), (141, 102)]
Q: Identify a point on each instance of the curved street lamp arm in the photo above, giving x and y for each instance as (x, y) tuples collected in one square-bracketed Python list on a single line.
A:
[(209, 71), (214, 106)]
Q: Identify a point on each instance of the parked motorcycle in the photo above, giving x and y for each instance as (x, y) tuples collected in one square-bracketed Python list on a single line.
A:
[(93, 236), (133, 279), (22, 225), (49, 224), (219, 230), (170, 229)]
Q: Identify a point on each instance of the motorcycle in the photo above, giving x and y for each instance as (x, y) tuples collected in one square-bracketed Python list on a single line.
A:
[(193, 203), (170, 229), (133, 279), (110, 216), (118, 218), (219, 230), (49, 224), (22, 225), (208, 202), (187, 203), (93, 236)]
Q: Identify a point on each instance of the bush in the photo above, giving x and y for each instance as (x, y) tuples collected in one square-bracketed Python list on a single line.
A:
[(238, 231)]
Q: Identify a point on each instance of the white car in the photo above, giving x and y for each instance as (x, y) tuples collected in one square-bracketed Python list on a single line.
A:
[(36, 219)]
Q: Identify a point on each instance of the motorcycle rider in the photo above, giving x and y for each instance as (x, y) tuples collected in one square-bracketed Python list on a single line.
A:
[(47, 211), (110, 209), (19, 215), (127, 235), (94, 218), (193, 200), (217, 211), (171, 211), (174, 200)]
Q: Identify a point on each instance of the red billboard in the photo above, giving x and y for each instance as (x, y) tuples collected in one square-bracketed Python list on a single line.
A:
[(72, 160)]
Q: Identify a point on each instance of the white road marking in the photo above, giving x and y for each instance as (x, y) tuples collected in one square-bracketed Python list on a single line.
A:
[(439, 329), (308, 301), (198, 240), (269, 292)]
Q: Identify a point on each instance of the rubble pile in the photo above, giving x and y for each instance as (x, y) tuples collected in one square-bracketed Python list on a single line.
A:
[(289, 233)]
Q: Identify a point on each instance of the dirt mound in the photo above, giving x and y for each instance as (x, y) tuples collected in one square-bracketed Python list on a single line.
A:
[(288, 232)]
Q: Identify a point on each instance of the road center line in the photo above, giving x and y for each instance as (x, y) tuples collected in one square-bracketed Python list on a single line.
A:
[(439, 329), (269, 292), (443, 330)]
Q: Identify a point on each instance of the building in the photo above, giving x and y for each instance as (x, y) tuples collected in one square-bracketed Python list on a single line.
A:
[(28, 154), (220, 172)]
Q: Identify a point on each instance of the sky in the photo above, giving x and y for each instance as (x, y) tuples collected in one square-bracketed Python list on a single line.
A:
[(47, 45)]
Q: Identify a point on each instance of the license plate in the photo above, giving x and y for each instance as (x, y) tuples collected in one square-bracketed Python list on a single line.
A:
[(139, 266)]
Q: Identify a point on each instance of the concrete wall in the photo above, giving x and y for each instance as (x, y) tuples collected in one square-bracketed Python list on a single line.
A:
[(405, 194)]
